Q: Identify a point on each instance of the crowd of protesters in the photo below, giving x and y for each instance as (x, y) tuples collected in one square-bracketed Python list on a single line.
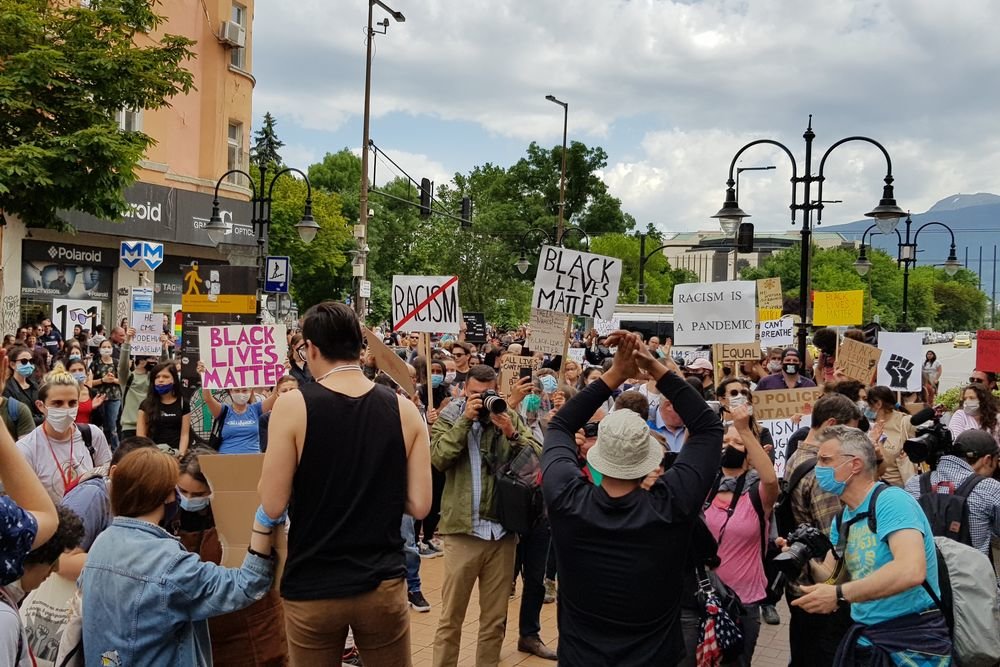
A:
[(647, 504)]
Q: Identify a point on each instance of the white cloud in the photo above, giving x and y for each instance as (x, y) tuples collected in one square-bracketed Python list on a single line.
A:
[(418, 166)]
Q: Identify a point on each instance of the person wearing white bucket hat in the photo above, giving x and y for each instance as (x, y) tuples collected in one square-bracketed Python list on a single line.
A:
[(622, 549)]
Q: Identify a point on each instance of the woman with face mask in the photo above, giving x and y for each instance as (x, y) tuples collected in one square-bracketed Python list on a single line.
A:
[(105, 383), (251, 636), (241, 420), (738, 514), (58, 450), (733, 393), (978, 409), (890, 428), (134, 382), (165, 416), (88, 401), (137, 570), (20, 385)]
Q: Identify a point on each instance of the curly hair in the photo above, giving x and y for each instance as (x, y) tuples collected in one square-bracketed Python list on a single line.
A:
[(988, 407), (68, 536)]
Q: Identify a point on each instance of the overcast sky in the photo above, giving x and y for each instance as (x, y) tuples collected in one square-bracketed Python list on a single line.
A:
[(671, 90)]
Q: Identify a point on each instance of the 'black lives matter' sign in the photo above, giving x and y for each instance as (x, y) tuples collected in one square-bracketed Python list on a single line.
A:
[(577, 283)]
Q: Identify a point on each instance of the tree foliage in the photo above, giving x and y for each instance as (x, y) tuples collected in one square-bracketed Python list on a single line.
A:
[(65, 70), (266, 144), (660, 278)]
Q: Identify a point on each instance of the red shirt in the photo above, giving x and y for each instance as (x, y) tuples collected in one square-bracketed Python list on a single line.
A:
[(84, 410)]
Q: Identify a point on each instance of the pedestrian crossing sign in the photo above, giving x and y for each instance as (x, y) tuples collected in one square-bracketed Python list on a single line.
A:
[(277, 276)]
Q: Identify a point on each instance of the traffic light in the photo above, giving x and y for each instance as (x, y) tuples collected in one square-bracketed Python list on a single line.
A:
[(425, 197), (466, 212), (744, 238)]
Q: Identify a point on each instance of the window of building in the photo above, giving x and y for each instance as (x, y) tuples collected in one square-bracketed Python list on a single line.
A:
[(237, 55), (129, 120), (235, 152)]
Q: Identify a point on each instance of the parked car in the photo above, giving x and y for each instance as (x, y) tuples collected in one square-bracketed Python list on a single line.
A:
[(963, 339)]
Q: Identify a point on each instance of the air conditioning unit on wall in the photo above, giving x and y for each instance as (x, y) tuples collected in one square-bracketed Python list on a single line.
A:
[(233, 34)]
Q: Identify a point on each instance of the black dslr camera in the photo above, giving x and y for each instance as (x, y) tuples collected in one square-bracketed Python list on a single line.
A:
[(931, 442), (804, 543), (493, 403)]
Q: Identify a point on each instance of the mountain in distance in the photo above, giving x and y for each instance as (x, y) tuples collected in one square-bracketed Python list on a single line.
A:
[(974, 218)]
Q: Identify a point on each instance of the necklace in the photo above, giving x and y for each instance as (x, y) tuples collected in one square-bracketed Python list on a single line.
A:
[(339, 369)]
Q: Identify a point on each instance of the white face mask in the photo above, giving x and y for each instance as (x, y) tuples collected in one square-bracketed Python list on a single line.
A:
[(60, 419), (105, 351), (774, 366), (449, 377), (971, 407), (240, 398), (737, 401)]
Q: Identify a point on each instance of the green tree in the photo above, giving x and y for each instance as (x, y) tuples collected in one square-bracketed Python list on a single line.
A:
[(266, 144), (340, 172), (65, 71), (659, 276)]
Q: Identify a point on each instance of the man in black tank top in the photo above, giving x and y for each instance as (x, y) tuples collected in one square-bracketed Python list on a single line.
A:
[(354, 457), (466, 446)]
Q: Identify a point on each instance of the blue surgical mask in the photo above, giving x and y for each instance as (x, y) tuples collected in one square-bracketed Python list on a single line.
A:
[(162, 389), (532, 403), (24, 370), (80, 376), (436, 380), (870, 414), (549, 384), (74, 357), (826, 480), (194, 504)]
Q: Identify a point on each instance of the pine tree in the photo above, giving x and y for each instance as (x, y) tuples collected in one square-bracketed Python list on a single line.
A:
[(266, 145)]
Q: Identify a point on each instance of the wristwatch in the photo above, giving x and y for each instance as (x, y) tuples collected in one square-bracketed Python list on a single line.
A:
[(840, 594), (515, 437)]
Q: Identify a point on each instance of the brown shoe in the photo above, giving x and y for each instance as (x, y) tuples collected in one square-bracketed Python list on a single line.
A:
[(535, 646)]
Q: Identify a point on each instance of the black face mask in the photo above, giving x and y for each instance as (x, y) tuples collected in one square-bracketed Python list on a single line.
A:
[(792, 369), (733, 458), (169, 513)]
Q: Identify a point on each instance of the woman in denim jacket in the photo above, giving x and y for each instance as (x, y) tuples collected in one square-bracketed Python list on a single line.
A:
[(146, 600)]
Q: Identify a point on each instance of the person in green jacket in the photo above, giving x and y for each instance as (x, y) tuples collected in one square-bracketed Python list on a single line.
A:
[(467, 442), (134, 383)]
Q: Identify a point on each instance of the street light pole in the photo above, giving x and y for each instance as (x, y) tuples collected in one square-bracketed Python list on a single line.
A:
[(734, 233), (360, 269), (886, 214), (557, 238), (562, 178)]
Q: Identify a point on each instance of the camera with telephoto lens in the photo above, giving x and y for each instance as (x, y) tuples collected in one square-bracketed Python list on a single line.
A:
[(931, 442), (493, 403), (804, 543)]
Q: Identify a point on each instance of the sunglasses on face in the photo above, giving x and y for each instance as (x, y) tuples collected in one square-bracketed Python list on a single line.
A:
[(977, 381), (301, 351), (458, 355), (733, 393)]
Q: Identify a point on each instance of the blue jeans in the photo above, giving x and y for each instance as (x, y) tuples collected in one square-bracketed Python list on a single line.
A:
[(109, 411), (412, 555)]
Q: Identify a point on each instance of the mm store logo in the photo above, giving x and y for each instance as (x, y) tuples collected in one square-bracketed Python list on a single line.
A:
[(75, 255)]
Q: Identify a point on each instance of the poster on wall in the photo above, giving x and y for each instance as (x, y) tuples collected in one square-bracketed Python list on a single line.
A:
[(67, 313), (61, 270)]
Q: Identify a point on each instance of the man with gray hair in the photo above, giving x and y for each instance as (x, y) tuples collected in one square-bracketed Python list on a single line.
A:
[(886, 544)]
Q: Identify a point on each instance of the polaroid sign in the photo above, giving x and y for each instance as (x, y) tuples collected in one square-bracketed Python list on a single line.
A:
[(61, 253), (141, 255)]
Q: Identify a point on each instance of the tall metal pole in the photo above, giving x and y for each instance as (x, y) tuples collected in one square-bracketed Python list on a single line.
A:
[(642, 268), (562, 178), (804, 277), (980, 268), (361, 304)]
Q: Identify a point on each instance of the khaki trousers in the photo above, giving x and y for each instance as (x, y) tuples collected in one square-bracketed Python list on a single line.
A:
[(466, 560), (380, 620)]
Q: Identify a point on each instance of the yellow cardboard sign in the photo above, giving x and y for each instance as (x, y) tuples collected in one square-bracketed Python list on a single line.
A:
[(784, 403), (838, 308), (769, 294), (768, 314)]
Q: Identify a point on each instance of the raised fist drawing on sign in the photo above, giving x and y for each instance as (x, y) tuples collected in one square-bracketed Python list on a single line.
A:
[(899, 369)]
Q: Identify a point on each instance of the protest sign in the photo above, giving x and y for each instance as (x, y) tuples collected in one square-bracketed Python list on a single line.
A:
[(784, 403), (777, 333), (548, 331), (688, 354), (769, 299), (475, 327), (240, 356), (576, 354), (988, 351), (606, 327), (69, 312), (233, 479), (899, 367), (427, 304), (147, 324), (715, 313), (389, 362), (510, 370), (838, 308), (858, 360), (781, 432), (576, 283), (728, 353)]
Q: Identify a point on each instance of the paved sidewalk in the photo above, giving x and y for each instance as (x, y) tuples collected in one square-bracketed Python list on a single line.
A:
[(772, 647)]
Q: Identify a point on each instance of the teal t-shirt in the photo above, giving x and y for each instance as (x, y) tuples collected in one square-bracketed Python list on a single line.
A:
[(865, 553)]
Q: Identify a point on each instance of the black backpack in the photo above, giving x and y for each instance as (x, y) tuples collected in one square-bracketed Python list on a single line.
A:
[(948, 513), (782, 512)]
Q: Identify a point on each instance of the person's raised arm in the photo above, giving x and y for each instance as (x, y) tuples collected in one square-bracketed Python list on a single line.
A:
[(758, 458), (285, 432), (124, 372), (24, 488), (206, 394), (419, 490), (185, 433)]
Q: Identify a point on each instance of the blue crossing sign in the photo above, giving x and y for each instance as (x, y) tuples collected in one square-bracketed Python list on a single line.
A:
[(277, 275)]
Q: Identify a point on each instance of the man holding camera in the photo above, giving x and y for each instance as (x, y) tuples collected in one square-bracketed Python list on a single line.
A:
[(469, 439), (885, 542)]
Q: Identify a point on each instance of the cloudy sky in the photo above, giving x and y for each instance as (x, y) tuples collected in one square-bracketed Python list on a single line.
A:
[(670, 89)]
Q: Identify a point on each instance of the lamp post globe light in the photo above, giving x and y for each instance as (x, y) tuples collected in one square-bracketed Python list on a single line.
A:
[(886, 213), (556, 237)]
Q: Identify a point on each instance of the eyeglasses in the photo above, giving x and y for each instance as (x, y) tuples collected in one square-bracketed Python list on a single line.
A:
[(827, 460), (733, 393), (301, 351)]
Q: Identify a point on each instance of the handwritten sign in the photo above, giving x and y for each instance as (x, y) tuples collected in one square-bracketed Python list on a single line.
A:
[(728, 353), (782, 431), (784, 403), (715, 313), (988, 351), (838, 308), (858, 360), (606, 327), (510, 371), (576, 283), (389, 362), (475, 327), (427, 304), (548, 331), (769, 299), (576, 354), (777, 333), (147, 324), (241, 356), (900, 364)]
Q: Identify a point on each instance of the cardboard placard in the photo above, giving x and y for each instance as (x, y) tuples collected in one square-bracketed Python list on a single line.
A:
[(858, 360), (475, 327), (784, 403), (510, 370), (66, 313), (548, 331), (782, 431), (838, 308), (900, 365), (729, 353), (241, 356), (147, 324), (777, 333), (389, 362), (988, 351), (576, 354), (233, 479), (576, 283), (769, 298), (606, 327), (715, 313), (425, 304)]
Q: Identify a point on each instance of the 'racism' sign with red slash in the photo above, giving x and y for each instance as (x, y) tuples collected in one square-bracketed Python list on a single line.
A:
[(427, 304)]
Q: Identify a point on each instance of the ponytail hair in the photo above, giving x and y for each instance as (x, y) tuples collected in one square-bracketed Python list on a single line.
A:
[(57, 377)]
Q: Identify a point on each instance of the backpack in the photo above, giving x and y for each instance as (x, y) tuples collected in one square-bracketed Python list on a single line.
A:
[(968, 598), (12, 405), (948, 513), (88, 440), (782, 512), (215, 437)]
